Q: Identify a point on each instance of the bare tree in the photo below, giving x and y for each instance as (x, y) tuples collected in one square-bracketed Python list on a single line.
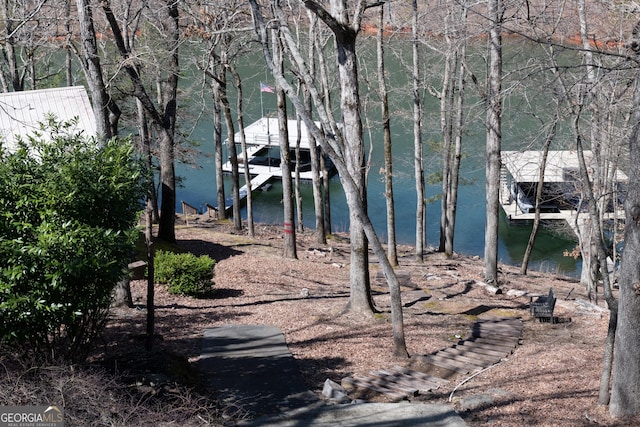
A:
[(452, 120), (625, 401), (595, 95), (316, 168), (145, 141), (289, 229), (19, 21), (219, 84), (494, 138), (93, 69), (332, 139), (243, 147), (221, 27), (420, 244), (386, 129), (163, 116), (538, 198), (345, 29)]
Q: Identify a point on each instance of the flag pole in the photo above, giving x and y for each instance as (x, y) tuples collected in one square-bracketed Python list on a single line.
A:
[(261, 104)]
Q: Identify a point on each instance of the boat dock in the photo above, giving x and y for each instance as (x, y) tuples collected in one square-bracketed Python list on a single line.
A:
[(519, 180), (263, 149), (257, 183), (263, 158)]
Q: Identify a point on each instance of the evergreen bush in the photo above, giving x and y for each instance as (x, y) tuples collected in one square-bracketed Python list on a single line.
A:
[(69, 207), (184, 273)]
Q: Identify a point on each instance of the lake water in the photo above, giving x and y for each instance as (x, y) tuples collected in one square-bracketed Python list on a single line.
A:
[(198, 184)]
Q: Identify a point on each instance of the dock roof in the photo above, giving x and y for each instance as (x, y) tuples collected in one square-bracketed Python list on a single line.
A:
[(22, 112), (524, 165), (265, 132)]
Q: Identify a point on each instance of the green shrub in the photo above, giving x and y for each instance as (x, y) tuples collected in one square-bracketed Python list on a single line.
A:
[(185, 274), (68, 212)]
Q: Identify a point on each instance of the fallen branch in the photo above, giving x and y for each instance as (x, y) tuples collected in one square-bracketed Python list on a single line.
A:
[(470, 378)]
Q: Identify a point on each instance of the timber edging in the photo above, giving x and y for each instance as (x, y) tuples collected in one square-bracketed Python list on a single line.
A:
[(491, 341)]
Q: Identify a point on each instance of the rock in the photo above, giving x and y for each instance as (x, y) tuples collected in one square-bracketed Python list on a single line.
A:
[(475, 401), (335, 392), (479, 400), (317, 252), (586, 305), (489, 288), (516, 293)]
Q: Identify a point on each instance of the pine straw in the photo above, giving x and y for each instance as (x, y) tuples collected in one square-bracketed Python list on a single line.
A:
[(552, 378)]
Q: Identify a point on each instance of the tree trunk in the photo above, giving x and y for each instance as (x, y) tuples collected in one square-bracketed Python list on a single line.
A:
[(589, 274), (326, 196), (454, 175), (145, 151), (457, 120), (594, 212), (608, 359), (9, 45), (418, 163), (243, 147), (289, 230), (166, 227), (316, 167), (296, 186), (447, 127), (360, 300), (494, 138), (68, 58), (392, 253), (218, 143), (296, 180), (625, 391), (345, 31), (93, 70), (600, 256), (221, 86), (326, 95), (536, 221), (151, 311)]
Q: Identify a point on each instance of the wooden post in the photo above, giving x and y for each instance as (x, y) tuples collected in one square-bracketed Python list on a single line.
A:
[(212, 211), (188, 209)]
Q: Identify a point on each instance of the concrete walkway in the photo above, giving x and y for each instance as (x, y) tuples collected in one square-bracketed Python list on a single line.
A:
[(250, 366)]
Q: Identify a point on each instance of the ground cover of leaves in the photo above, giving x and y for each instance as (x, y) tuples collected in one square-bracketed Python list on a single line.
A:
[(551, 378)]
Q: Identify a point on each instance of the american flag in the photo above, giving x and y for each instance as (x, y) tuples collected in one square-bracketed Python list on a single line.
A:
[(265, 88)]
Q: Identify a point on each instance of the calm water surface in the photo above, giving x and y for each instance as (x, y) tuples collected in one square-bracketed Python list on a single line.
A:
[(198, 186)]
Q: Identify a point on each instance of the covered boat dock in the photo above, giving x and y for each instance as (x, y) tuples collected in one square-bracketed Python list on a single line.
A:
[(561, 187)]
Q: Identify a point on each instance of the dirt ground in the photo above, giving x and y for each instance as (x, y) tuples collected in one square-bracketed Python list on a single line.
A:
[(551, 378)]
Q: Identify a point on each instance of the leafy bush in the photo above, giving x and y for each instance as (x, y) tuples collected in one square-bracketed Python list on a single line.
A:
[(184, 273), (68, 211)]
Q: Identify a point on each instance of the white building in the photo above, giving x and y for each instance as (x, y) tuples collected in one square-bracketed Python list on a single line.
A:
[(21, 113)]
